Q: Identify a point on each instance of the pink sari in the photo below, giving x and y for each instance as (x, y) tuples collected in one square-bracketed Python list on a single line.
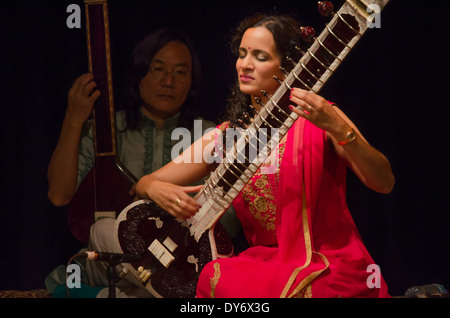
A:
[(304, 243)]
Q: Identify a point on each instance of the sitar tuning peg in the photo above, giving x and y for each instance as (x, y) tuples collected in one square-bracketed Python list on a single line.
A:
[(283, 70), (291, 61), (258, 100), (277, 79), (299, 49), (253, 111), (144, 274), (266, 95), (307, 33), (326, 8)]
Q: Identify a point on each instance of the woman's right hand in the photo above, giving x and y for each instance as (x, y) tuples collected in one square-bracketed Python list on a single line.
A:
[(172, 198), (81, 99)]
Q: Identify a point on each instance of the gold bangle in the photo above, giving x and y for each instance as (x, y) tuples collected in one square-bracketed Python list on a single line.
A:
[(348, 138)]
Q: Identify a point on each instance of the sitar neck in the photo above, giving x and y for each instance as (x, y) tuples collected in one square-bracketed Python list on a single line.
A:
[(98, 42), (317, 65)]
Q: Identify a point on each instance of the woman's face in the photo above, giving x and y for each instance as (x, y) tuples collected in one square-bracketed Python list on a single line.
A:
[(258, 62), (166, 85)]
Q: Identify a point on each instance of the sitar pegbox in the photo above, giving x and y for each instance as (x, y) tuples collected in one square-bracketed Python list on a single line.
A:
[(325, 8)]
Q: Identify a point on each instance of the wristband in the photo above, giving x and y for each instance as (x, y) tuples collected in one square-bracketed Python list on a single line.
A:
[(351, 136)]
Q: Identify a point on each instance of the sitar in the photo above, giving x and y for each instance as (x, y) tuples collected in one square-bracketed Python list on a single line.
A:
[(174, 252), (105, 190)]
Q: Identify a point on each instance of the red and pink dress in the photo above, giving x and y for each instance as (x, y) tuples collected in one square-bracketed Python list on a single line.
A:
[(303, 240)]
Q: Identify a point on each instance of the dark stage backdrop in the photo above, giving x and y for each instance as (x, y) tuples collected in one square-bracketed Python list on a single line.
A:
[(393, 85)]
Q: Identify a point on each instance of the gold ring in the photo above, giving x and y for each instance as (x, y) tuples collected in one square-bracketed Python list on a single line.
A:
[(177, 202)]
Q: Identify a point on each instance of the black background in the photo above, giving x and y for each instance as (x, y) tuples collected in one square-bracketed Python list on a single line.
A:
[(393, 85)]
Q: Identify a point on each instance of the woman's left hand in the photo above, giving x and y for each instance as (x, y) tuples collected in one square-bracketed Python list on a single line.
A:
[(318, 111)]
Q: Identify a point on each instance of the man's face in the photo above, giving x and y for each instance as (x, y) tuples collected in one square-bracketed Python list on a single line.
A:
[(166, 85)]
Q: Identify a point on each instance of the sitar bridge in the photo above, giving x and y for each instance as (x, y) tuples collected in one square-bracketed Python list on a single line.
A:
[(162, 253)]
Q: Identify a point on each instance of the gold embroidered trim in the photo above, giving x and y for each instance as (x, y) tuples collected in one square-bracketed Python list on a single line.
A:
[(305, 292), (261, 197), (310, 277), (215, 279), (298, 143), (223, 126), (308, 250)]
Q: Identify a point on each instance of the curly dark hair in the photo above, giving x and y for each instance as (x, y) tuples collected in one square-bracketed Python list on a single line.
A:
[(286, 34)]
